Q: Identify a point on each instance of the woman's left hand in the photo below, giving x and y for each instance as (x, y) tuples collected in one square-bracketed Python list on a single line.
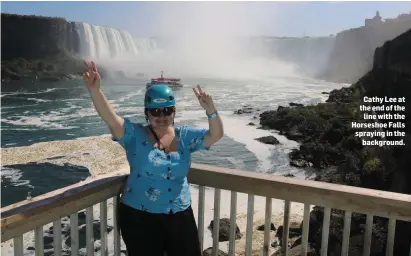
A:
[(205, 100)]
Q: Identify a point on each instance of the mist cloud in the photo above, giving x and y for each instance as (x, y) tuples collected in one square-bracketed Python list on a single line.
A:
[(211, 39)]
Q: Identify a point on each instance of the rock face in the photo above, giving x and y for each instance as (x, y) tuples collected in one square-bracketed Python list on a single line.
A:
[(394, 56), (209, 252), (39, 48), (268, 140), (327, 140), (353, 51), (34, 37), (244, 110), (224, 230), (262, 227), (295, 230)]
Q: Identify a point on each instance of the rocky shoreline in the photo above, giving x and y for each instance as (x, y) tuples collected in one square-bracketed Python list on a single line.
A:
[(50, 69)]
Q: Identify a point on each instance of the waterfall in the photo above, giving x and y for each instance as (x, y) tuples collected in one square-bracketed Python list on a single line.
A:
[(308, 55), (106, 42)]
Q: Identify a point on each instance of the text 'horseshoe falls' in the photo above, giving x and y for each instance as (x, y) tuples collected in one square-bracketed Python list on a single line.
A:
[(106, 42)]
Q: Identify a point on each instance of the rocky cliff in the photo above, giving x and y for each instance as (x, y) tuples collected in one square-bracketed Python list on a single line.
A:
[(328, 141), (35, 37), (34, 47), (353, 52), (394, 56)]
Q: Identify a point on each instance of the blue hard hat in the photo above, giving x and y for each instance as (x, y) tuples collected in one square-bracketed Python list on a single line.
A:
[(159, 96)]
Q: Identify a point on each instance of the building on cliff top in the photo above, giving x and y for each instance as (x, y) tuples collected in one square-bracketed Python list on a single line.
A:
[(376, 20)]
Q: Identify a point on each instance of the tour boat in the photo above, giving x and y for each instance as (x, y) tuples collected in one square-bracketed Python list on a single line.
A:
[(172, 82)]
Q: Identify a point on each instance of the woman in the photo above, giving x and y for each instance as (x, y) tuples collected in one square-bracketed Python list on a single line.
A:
[(155, 210)]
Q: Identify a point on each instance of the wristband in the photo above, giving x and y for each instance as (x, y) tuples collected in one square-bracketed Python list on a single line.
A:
[(212, 115)]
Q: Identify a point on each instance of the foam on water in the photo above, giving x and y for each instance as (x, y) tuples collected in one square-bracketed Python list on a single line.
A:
[(271, 158), (30, 93), (43, 122), (129, 96), (237, 129), (13, 175)]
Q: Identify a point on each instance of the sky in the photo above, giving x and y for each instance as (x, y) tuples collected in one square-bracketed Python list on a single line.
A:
[(143, 19)]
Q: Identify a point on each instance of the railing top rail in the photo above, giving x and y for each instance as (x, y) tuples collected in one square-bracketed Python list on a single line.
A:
[(355, 199), (66, 200), (63, 195)]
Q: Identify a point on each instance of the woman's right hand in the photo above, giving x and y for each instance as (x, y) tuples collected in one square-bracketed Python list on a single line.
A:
[(91, 76)]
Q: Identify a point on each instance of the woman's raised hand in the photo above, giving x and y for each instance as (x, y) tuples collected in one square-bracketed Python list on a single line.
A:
[(91, 76), (204, 99)]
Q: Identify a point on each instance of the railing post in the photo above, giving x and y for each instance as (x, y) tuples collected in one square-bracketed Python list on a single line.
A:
[(286, 227), (201, 200), (216, 224), (306, 227), (249, 232), (346, 233), (57, 237), (103, 228), (89, 231), (267, 225), (39, 243), (116, 227), (18, 246), (233, 223), (368, 235), (74, 234), (325, 231), (390, 237)]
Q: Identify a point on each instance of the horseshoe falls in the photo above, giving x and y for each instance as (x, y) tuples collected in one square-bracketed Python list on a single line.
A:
[(109, 43)]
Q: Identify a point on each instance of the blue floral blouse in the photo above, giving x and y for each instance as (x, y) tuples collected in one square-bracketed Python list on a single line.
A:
[(158, 181)]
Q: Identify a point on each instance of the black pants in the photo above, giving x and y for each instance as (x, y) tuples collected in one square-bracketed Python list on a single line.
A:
[(148, 234)]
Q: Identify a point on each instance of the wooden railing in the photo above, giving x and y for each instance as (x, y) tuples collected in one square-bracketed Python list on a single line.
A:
[(32, 214)]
